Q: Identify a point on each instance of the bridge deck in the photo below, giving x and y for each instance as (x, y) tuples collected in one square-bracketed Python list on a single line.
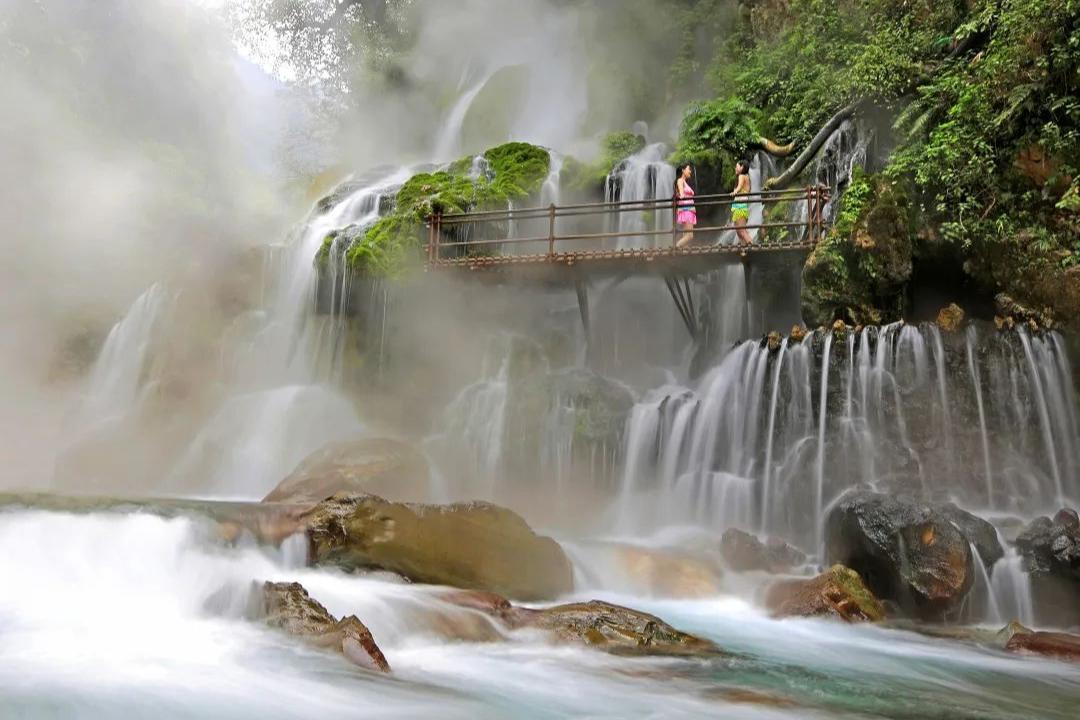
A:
[(644, 237)]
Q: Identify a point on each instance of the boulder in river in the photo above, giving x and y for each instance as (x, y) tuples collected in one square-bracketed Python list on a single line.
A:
[(838, 592), (382, 466), (908, 552), (743, 551), (1052, 547), (288, 607), (475, 545), (1051, 552), (1063, 646), (616, 629), (597, 624)]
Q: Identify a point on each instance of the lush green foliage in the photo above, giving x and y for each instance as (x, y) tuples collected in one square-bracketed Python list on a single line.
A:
[(984, 97), (618, 146), (708, 128)]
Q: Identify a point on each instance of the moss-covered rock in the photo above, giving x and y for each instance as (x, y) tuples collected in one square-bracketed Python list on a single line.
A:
[(860, 269), (838, 592), (516, 171)]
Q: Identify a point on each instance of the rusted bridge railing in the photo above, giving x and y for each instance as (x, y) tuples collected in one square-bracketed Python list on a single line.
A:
[(635, 230)]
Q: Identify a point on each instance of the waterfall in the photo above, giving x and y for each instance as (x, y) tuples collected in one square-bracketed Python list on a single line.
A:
[(448, 141), (118, 373), (1011, 588), (970, 336), (256, 439), (823, 403), (808, 420), (692, 453), (642, 176)]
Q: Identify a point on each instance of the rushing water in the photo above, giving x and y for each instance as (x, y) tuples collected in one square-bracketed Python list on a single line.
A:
[(136, 616), (644, 175), (894, 407)]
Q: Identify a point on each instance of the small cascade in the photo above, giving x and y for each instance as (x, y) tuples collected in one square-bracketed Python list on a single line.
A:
[(971, 337), (256, 439), (823, 404), (523, 428), (981, 603), (691, 455), (119, 372), (845, 150), (448, 141), (646, 175), (471, 447), (1010, 586), (297, 346)]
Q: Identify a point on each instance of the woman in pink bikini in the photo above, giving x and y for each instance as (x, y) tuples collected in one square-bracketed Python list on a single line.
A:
[(686, 216)]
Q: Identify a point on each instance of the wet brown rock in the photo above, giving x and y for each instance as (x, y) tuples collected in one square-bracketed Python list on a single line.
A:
[(384, 467), (1062, 646), (950, 318), (597, 624), (915, 554), (288, 607), (838, 592), (1010, 308), (1005, 634), (477, 546), (615, 629), (744, 552), (772, 340)]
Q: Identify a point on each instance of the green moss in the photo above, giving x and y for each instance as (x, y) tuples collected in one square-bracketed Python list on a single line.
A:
[(860, 269), (518, 171), (855, 589)]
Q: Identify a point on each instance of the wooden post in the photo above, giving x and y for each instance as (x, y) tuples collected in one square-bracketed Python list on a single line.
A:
[(551, 230)]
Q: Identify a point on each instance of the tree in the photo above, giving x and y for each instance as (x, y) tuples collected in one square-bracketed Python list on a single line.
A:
[(319, 43)]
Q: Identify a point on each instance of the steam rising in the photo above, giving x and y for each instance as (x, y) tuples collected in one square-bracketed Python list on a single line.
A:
[(136, 148)]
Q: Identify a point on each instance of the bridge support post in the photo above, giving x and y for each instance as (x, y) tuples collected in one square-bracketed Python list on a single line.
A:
[(683, 298), (583, 305)]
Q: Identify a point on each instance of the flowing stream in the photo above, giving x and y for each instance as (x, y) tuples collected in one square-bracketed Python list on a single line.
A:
[(134, 615)]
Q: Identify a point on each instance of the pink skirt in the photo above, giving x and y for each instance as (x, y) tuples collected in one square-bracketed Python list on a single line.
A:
[(686, 217)]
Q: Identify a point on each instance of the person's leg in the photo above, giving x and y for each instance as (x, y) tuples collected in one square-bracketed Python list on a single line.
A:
[(687, 235), (742, 232)]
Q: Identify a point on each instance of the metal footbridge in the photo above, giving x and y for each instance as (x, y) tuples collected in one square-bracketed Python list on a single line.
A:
[(564, 245)]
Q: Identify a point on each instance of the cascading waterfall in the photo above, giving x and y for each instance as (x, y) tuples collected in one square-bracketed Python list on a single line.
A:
[(644, 175), (119, 371), (755, 417)]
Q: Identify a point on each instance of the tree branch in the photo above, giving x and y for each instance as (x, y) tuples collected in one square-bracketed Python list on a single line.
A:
[(782, 181)]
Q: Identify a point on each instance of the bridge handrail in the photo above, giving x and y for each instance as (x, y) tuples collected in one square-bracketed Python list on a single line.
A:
[(815, 198), (712, 200)]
